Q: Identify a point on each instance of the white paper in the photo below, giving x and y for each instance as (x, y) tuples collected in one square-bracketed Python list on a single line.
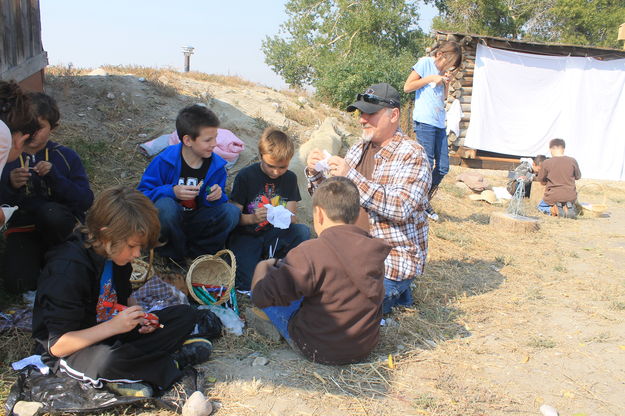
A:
[(322, 165), (32, 360), (279, 216), (8, 212)]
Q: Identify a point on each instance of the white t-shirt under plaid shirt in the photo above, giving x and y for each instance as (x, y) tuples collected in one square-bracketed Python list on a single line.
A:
[(395, 200)]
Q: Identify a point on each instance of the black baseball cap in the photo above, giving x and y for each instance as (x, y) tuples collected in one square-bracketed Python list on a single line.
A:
[(375, 98)]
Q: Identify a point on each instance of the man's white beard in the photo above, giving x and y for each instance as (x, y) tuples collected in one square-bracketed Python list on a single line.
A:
[(367, 136)]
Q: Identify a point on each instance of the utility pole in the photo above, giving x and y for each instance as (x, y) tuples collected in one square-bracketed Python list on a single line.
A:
[(187, 51)]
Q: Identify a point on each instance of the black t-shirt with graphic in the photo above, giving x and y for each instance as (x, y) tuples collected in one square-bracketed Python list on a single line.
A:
[(252, 187), (192, 177)]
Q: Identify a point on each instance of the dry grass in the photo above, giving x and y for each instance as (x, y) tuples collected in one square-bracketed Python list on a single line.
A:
[(304, 116)]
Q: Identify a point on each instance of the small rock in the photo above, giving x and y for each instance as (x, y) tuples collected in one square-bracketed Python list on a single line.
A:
[(259, 362), (141, 79), (89, 108), (390, 322), (254, 355), (99, 72), (547, 410), (81, 114), (22, 408), (110, 95), (430, 343), (197, 405), (143, 135)]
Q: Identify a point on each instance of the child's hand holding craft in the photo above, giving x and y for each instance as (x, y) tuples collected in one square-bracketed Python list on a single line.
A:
[(260, 214), (215, 193), (127, 319)]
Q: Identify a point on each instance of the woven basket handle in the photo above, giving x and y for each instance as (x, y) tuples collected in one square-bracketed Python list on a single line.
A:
[(233, 261)]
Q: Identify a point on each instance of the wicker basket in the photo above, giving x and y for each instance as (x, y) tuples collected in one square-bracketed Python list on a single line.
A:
[(141, 271), (213, 270), (593, 209)]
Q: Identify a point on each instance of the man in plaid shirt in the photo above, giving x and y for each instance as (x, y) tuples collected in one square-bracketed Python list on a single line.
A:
[(393, 176)]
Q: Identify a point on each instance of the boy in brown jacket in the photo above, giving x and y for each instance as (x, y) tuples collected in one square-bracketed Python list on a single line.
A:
[(559, 174), (325, 297)]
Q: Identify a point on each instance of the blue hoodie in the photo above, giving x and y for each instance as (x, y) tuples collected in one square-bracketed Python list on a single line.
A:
[(163, 173), (66, 183)]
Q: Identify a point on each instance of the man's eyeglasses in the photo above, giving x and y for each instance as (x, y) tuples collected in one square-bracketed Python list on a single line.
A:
[(374, 99)]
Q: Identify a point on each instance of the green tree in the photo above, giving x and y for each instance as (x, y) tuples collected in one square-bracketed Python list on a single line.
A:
[(341, 46), (578, 22)]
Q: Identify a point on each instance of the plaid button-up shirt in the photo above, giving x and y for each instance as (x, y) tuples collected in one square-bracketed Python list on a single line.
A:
[(395, 200)]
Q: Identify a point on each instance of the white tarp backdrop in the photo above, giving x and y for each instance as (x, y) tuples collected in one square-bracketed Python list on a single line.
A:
[(521, 101)]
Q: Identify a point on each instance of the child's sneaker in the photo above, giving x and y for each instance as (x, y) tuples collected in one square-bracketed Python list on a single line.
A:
[(131, 389), (259, 320), (429, 211), (193, 351)]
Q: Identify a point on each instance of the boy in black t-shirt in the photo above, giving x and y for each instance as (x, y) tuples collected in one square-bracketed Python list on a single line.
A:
[(266, 182), (186, 183)]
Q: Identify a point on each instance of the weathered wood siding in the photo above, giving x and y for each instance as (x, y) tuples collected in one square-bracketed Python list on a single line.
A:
[(21, 51), (462, 87)]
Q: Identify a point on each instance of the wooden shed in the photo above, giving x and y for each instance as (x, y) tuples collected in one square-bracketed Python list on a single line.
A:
[(22, 57), (462, 87)]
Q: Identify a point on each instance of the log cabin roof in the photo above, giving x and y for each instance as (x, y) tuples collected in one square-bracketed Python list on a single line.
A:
[(538, 48)]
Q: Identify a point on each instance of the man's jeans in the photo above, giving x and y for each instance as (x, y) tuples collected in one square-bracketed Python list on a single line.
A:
[(194, 233), (434, 141), (396, 293), (249, 249)]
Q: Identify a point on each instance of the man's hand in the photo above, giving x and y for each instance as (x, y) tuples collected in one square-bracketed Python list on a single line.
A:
[(128, 319), (215, 193), (260, 214), (43, 168), (314, 156), (186, 192), (19, 177), (338, 166)]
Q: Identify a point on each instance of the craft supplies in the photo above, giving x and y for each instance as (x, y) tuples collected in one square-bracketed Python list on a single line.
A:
[(150, 317)]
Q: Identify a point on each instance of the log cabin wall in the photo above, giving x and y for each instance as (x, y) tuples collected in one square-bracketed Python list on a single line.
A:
[(22, 57), (461, 88)]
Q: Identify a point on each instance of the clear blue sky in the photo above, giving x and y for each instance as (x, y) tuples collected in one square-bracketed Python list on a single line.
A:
[(227, 35)]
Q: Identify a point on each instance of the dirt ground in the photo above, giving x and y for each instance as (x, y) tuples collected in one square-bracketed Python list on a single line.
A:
[(505, 324), (502, 323)]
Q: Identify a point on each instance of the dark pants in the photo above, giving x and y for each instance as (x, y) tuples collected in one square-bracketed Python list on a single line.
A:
[(135, 357), (249, 249), (25, 251), (194, 233), (434, 141)]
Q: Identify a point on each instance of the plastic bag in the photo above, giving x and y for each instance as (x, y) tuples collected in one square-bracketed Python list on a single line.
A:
[(207, 324), (63, 394), (228, 318)]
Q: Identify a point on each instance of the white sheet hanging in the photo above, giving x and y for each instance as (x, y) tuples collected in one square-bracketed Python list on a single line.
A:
[(521, 101)]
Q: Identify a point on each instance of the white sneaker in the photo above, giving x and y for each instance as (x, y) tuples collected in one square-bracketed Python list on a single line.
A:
[(431, 214)]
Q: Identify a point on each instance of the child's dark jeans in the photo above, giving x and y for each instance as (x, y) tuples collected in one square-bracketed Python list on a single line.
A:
[(249, 249), (194, 233), (396, 293)]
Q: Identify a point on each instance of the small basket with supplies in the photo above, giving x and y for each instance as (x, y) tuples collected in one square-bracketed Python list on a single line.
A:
[(210, 279)]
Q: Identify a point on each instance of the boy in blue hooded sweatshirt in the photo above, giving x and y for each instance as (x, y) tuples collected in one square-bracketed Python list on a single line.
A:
[(186, 183)]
